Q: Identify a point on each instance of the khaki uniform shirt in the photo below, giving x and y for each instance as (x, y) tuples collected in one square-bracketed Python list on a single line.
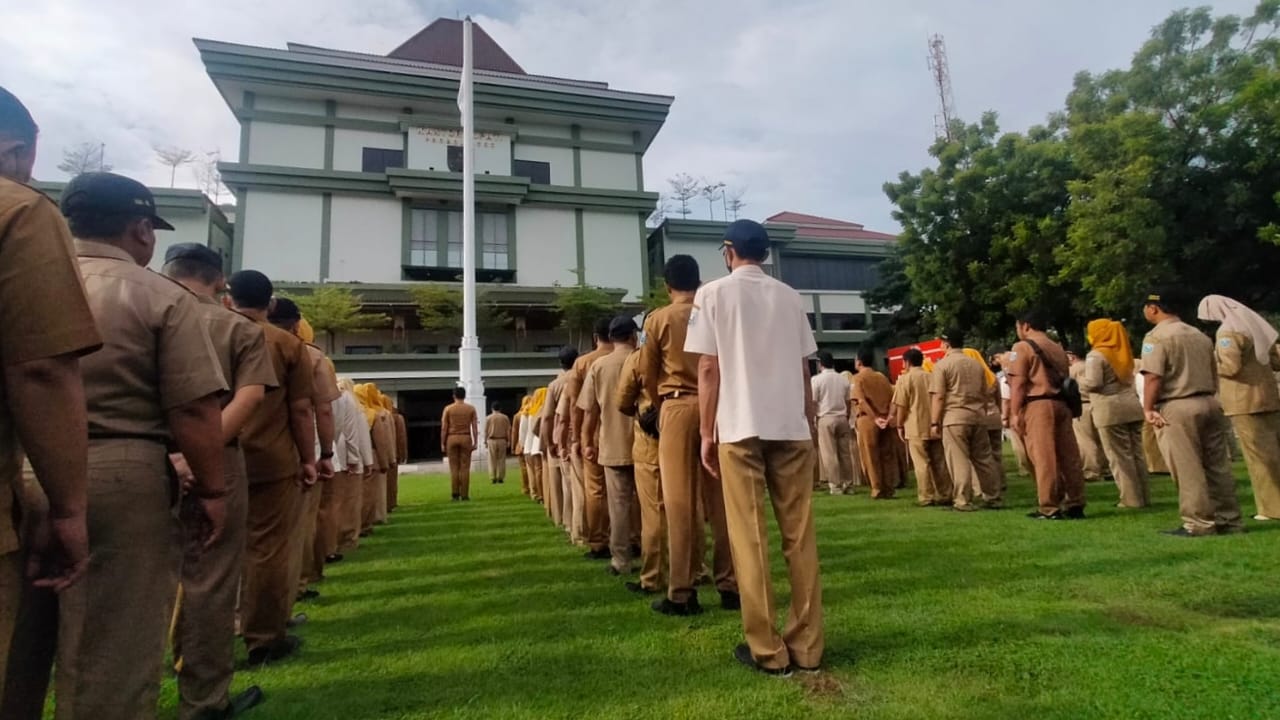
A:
[(384, 440), (457, 419), (1112, 402), (962, 383), (1182, 357), (1027, 369), (43, 312), (577, 377), (324, 381), (402, 438), (156, 353), (615, 429), (497, 427), (551, 412), (1247, 386), (241, 348), (632, 395), (663, 361), (873, 393), (831, 393), (912, 393), (270, 454)]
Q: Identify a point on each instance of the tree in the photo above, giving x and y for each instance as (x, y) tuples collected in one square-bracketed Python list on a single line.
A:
[(660, 212), (733, 201), (580, 307), (684, 188), (711, 192), (208, 178), (173, 157), (332, 310), (84, 157), (440, 309), (657, 297)]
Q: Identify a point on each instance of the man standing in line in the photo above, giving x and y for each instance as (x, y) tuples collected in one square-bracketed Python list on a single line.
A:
[(911, 402), (562, 442), (831, 395), (1092, 459), (959, 396), (752, 333), (873, 400), (1180, 402), (206, 623), (560, 470), (458, 432), (633, 400), (1037, 368), (279, 457), (607, 438), (595, 498), (497, 431)]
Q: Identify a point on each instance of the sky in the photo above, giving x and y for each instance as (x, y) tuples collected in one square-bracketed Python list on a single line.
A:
[(803, 105)]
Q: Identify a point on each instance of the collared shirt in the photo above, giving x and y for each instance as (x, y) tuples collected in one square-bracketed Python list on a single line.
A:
[(156, 353), (43, 312), (912, 393), (576, 378), (873, 393), (458, 418), (270, 453), (758, 330), (1182, 357), (1247, 386), (241, 348), (497, 427), (352, 446), (831, 393), (1111, 402), (401, 427), (633, 395), (615, 434), (962, 383), (324, 381), (663, 355), (1026, 368)]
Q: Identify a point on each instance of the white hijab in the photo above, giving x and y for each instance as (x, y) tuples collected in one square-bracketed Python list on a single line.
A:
[(1237, 317)]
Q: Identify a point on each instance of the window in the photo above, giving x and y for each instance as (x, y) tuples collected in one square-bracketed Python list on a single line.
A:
[(493, 241), (423, 244), (454, 259), (425, 349), (364, 349), (830, 273), (535, 170), (813, 324), (844, 321), (551, 349), (494, 348), (454, 157), (377, 160)]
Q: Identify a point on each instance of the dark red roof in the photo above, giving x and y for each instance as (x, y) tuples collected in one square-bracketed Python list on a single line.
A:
[(815, 226), (441, 43)]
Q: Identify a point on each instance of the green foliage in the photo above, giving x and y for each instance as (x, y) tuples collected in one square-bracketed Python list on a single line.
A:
[(336, 309), (657, 297), (440, 310), (580, 306)]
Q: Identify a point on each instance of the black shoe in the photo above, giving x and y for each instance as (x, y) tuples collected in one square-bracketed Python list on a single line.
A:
[(308, 594), (618, 573), (742, 654), (275, 652), (1229, 530), (964, 508), (601, 554), (1075, 513), (366, 533), (639, 589), (1183, 532), (245, 701), (730, 600), (296, 621), (675, 609), (635, 551), (810, 670), (455, 498), (336, 557), (1037, 515), (466, 498)]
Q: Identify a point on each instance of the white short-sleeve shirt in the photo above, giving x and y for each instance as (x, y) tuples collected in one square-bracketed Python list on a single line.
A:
[(758, 329)]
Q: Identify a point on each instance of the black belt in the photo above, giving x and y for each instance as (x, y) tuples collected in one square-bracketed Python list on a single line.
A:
[(679, 394), (129, 436), (1043, 397)]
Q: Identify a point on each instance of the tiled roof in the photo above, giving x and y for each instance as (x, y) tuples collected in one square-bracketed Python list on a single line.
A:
[(441, 43), (814, 226)]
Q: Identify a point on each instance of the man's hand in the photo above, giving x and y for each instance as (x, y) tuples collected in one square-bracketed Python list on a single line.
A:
[(1156, 419), (215, 513), (902, 434), (935, 431), (474, 446), (324, 469), (882, 422), (59, 551), (307, 478), (589, 453), (1020, 424), (186, 478), (711, 457)]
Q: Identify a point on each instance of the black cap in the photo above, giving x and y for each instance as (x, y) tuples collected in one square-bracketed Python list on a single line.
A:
[(285, 310), (193, 251), (748, 238), (110, 194), (250, 289), (622, 327)]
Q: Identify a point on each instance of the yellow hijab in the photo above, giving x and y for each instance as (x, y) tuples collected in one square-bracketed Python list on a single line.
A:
[(386, 403), (1109, 338), (369, 398), (928, 364), (986, 369), (305, 332), (536, 402)]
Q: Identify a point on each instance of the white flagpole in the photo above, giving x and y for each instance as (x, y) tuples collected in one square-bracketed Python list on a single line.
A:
[(469, 351)]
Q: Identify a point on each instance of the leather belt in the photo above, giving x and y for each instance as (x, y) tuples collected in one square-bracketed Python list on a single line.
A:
[(679, 394)]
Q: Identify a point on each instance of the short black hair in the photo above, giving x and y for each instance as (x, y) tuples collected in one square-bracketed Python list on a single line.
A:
[(497, 407), (188, 269), (100, 225), (460, 393), (1035, 319), (602, 328), (1169, 300), (15, 120), (681, 273), (867, 357), (250, 289), (568, 356), (826, 359), (284, 313), (622, 328), (913, 357), (954, 337)]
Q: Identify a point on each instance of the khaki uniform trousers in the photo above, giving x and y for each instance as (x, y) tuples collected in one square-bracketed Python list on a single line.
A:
[(523, 461), (537, 477), (1092, 456), (572, 468), (747, 469), (1193, 443), (1055, 457), (553, 485), (206, 624), (855, 455), (331, 511), (108, 630), (621, 483), (393, 488), (834, 450), (566, 495), (693, 498), (995, 437), (933, 482), (374, 485), (1259, 436), (497, 460), (595, 505), (275, 509), (11, 580), (304, 537), (1151, 451), (458, 450), (350, 513), (653, 526), (879, 457), (968, 452), (380, 497), (1020, 453), (1123, 447)]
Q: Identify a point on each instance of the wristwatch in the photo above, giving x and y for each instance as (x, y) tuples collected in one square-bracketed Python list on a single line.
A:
[(326, 455)]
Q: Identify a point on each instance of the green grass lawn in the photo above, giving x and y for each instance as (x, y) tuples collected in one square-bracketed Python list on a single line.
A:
[(483, 610)]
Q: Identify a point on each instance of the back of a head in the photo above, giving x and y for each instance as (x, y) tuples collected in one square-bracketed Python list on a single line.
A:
[(681, 273), (913, 357), (749, 240), (192, 261), (1034, 319), (250, 290), (622, 328), (826, 359), (16, 122), (867, 358), (1170, 300), (285, 313), (497, 408), (954, 337), (601, 329), (568, 356), (460, 393)]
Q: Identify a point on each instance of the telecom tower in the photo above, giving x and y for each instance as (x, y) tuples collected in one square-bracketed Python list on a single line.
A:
[(941, 71)]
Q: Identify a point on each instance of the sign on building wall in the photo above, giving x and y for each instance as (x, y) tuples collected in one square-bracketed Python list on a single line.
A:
[(441, 149)]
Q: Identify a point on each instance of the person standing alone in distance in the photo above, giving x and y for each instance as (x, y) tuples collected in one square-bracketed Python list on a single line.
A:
[(497, 431), (752, 333), (831, 393), (458, 433)]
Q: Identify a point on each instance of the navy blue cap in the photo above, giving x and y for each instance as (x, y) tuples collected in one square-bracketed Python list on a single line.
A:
[(110, 194), (193, 251), (748, 238)]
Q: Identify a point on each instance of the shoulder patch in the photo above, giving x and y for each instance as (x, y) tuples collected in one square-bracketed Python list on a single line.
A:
[(1013, 355), (1148, 348), (1225, 342), (693, 316)]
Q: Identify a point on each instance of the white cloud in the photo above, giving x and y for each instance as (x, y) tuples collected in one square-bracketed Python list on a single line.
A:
[(813, 105)]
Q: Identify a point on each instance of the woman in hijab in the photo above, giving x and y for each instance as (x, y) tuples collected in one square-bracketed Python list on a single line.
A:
[(993, 422), (517, 442), (1117, 414), (1247, 358), (373, 493), (533, 444), (358, 461)]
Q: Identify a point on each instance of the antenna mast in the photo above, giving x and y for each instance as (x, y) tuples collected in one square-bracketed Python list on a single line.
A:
[(940, 69)]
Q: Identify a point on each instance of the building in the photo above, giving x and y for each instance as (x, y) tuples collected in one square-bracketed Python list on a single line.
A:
[(195, 218), (349, 173)]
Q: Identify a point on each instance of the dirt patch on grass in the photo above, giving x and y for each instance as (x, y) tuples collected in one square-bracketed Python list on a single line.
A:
[(821, 686), (1138, 617)]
